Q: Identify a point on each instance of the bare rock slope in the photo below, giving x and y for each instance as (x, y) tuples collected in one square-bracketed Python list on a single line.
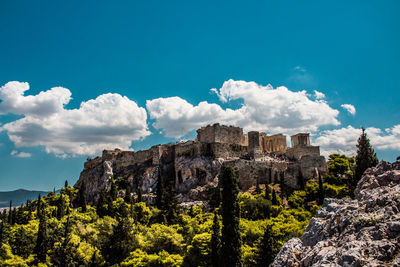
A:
[(360, 232)]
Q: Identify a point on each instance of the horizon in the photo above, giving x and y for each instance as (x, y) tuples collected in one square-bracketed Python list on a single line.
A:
[(77, 78)]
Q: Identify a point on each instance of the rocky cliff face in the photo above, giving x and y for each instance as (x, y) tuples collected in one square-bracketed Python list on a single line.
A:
[(360, 232)]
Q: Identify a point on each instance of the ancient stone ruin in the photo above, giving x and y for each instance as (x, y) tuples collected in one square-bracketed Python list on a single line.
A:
[(193, 166)]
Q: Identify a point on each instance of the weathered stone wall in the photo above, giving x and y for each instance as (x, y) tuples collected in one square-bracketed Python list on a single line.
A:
[(220, 134), (299, 151), (274, 143)]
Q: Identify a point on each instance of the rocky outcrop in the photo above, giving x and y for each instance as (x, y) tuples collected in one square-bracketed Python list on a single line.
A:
[(360, 232)]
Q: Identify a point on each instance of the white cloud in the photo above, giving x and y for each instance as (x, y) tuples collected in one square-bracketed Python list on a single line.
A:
[(175, 116), (44, 104), (319, 95), (344, 140), (264, 108), (107, 122), (20, 154), (350, 108)]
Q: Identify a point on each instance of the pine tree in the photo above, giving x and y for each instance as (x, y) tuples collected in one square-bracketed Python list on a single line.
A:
[(215, 241), (274, 199), (160, 193), (82, 197), (265, 253), (231, 242), (321, 192), (41, 241), (365, 158)]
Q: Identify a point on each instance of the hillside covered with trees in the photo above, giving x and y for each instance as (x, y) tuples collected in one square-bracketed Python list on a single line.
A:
[(240, 229)]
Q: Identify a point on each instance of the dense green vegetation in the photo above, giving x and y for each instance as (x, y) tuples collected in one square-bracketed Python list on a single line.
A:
[(241, 229), (58, 230)]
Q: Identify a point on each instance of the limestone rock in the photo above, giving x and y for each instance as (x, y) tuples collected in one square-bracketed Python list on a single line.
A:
[(361, 232)]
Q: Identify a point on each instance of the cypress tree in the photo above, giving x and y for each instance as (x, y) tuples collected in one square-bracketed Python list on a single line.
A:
[(215, 241), (100, 207), (82, 197), (41, 241), (139, 195), (128, 196), (231, 242), (265, 253), (365, 157), (321, 192), (258, 189), (10, 221), (160, 193), (300, 180), (121, 242), (267, 192), (60, 207), (2, 231), (172, 209), (215, 198), (113, 190), (282, 184), (66, 184), (274, 199)]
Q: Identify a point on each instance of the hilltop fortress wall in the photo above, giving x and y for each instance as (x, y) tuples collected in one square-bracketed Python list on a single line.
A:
[(255, 156)]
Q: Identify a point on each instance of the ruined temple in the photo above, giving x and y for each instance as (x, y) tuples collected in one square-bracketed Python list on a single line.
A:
[(193, 166)]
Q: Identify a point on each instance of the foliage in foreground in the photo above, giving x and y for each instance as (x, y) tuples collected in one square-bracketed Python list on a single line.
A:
[(61, 230)]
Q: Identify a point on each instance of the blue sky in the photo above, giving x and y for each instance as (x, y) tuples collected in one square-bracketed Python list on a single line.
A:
[(145, 52)]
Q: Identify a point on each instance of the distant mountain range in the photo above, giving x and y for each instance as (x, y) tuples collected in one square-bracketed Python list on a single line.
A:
[(18, 197)]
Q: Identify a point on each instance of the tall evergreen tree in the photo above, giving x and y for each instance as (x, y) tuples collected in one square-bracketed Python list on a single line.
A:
[(215, 241), (267, 192), (215, 198), (66, 184), (100, 207), (121, 242), (274, 200), (41, 241), (139, 195), (300, 180), (113, 190), (172, 209), (128, 195), (82, 197), (2, 232), (265, 251), (258, 189), (231, 242), (60, 207), (321, 192), (365, 157), (10, 218), (160, 193)]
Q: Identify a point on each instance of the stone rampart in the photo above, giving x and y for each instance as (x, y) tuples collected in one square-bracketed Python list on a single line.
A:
[(220, 134), (299, 151)]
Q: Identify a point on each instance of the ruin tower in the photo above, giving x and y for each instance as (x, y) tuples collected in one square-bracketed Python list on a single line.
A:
[(300, 139)]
